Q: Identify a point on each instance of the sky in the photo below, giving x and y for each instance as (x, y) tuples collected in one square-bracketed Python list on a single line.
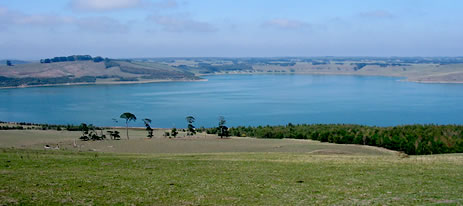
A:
[(31, 29)]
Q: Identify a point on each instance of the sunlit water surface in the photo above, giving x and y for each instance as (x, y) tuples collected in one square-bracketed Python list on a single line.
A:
[(242, 100)]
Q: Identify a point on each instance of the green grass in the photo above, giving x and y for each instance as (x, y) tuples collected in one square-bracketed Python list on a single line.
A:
[(207, 170), (57, 177)]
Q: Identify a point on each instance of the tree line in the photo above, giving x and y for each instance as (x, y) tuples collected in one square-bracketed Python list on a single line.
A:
[(410, 139), (34, 126), (90, 132), (73, 58), (12, 128)]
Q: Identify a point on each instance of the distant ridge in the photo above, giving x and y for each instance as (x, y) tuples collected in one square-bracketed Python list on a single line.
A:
[(85, 69)]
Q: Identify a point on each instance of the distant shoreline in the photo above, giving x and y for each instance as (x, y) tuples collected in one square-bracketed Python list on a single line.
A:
[(435, 82), (405, 78), (105, 83)]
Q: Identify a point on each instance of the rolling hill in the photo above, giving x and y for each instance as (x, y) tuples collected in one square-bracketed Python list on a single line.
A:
[(84, 69), (89, 71)]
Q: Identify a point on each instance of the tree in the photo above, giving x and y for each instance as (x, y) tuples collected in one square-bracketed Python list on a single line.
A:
[(55, 59), (128, 117), (8, 63), (84, 129), (71, 58), (83, 57), (114, 135), (98, 59), (148, 127), (222, 129), (174, 132), (191, 128)]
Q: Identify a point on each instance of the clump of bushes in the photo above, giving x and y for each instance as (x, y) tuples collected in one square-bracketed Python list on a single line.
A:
[(89, 132), (114, 135), (12, 128)]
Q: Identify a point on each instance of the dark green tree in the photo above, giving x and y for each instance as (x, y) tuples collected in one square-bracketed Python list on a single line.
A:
[(98, 59), (84, 129), (222, 129), (174, 132), (71, 58), (114, 135), (191, 128), (148, 127), (128, 117), (55, 59)]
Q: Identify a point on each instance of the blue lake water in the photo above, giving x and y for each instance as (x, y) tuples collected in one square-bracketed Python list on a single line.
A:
[(242, 100)]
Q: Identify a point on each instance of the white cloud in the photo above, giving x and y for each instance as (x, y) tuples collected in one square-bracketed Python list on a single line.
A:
[(8, 17), (96, 24), (104, 5), (111, 5), (181, 24), (287, 24)]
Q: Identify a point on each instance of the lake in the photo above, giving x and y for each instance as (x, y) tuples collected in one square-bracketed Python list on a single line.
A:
[(242, 100)]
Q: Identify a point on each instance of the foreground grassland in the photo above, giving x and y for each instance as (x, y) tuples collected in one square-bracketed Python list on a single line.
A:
[(201, 143), (56, 177), (207, 170)]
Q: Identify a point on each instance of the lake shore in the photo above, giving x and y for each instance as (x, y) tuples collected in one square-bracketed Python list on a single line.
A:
[(403, 77), (106, 83)]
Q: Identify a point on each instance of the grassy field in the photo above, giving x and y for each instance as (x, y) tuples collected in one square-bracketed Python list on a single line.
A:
[(425, 73), (206, 170), (50, 177), (200, 143)]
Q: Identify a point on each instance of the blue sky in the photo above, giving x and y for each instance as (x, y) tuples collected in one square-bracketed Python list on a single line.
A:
[(32, 29)]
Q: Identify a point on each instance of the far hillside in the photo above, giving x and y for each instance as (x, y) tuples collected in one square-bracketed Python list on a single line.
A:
[(85, 69), (416, 69), (80, 69)]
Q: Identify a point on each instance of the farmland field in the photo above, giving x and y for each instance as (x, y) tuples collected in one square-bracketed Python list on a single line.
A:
[(200, 143), (207, 170)]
